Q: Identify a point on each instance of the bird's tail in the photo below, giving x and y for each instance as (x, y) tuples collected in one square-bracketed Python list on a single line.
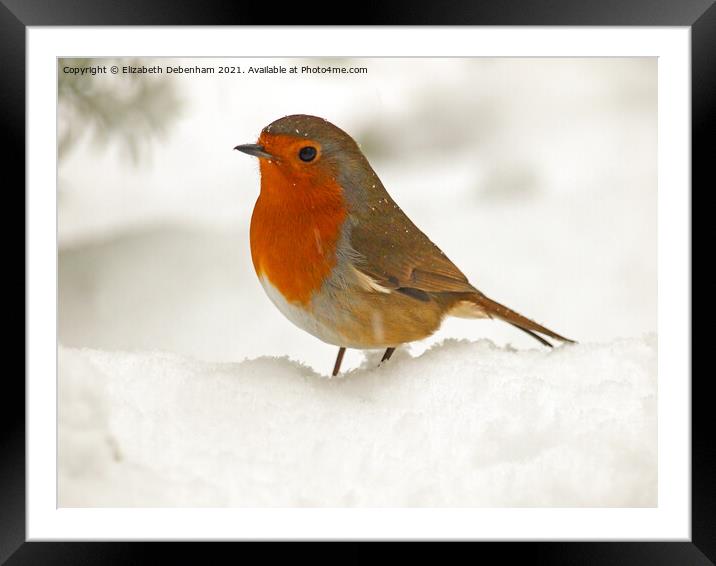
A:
[(495, 310)]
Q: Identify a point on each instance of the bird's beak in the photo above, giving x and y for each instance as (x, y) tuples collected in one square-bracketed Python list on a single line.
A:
[(255, 150)]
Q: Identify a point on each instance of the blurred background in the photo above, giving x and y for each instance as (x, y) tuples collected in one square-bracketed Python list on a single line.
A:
[(537, 177)]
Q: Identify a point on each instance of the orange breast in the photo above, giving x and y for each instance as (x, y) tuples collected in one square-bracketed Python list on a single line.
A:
[(295, 229)]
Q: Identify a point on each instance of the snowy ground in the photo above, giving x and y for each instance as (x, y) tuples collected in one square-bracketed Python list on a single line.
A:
[(464, 424), (536, 177)]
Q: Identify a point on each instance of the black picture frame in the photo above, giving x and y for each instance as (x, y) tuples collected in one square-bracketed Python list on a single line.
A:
[(17, 15)]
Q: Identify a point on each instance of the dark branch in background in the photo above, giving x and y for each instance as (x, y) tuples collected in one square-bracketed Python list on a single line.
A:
[(134, 110)]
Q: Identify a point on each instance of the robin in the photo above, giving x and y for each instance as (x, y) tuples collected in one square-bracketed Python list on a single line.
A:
[(338, 256)]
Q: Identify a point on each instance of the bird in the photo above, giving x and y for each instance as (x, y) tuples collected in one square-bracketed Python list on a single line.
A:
[(340, 259)]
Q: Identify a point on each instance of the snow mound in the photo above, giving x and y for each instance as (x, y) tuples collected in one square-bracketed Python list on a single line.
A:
[(464, 424)]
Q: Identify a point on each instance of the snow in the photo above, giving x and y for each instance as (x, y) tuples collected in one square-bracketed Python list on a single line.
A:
[(463, 424)]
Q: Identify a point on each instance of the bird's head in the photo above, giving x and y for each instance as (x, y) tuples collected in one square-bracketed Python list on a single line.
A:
[(302, 155)]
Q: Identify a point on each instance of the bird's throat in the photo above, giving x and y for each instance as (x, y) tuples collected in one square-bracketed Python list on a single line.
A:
[(295, 230)]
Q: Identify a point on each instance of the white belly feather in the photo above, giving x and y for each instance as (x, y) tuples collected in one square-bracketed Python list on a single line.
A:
[(301, 317)]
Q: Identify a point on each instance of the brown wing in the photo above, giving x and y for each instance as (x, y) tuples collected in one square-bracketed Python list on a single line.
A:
[(397, 255)]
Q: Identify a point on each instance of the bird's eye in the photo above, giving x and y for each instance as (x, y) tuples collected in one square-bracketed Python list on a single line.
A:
[(307, 153)]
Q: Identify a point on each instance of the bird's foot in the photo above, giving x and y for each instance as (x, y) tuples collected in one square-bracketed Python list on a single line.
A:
[(339, 361), (386, 356)]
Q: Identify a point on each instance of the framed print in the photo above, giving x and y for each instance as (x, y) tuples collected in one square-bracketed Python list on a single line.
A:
[(428, 283)]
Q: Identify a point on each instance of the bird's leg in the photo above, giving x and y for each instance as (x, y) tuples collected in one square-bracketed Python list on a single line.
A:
[(339, 360), (386, 356)]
